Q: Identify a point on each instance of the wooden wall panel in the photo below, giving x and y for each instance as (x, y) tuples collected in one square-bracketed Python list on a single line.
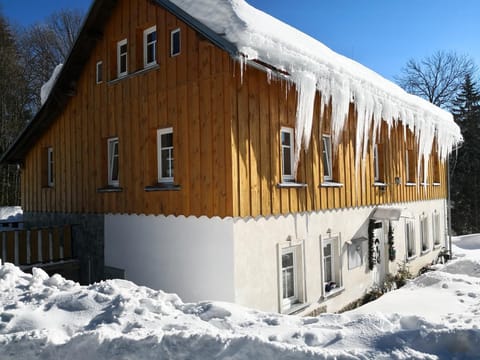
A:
[(226, 136)]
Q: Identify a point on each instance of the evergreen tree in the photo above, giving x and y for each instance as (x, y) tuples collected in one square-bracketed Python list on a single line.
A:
[(465, 185)]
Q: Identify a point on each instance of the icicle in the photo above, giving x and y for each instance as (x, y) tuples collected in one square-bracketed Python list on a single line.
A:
[(306, 88)]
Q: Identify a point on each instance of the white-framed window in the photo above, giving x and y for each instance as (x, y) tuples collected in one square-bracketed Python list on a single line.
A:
[(99, 72), (175, 42), (291, 275), (150, 46), (376, 168), (436, 228), (165, 155), (327, 157), (410, 237), (113, 166), (424, 232), (50, 178), (331, 264), (287, 144), (410, 166), (122, 58)]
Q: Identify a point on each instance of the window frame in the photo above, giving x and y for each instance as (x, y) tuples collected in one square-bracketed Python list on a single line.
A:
[(175, 34), (424, 233), (327, 156), (287, 302), (290, 131), (411, 250), (50, 167), (436, 237), (111, 156), (147, 44), (160, 148), (121, 43), (99, 72), (334, 240)]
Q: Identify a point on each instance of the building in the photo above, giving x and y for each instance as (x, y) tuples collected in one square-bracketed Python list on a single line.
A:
[(205, 148)]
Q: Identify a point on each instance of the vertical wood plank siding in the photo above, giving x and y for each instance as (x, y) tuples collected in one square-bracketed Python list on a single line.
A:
[(226, 136)]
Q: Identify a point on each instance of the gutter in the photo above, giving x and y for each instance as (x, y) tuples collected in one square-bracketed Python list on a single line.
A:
[(449, 202)]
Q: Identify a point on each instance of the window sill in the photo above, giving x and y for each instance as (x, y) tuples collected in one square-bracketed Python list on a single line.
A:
[(437, 246), (287, 185), (436, 184), (410, 184), (109, 189), (411, 258), (295, 308), (380, 184), (331, 184), (333, 293), (136, 73), (163, 187), (424, 252)]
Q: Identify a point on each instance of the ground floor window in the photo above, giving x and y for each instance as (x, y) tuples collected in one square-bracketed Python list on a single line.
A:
[(291, 276), (410, 237), (331, 264), (436, 228), (424, 232)]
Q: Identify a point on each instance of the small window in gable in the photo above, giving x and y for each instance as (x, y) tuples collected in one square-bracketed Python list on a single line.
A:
[(327, 157), (175, 42), (287, 144), (436, 168), (150, 46), (99, 68), (165, 155), (113, 165), (122, 58)]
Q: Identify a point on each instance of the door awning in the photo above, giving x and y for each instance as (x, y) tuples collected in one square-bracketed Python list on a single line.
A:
[(384, 213)]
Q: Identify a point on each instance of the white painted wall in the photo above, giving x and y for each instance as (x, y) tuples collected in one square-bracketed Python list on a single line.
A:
[(256, 260), (237, 259), (192, 257)]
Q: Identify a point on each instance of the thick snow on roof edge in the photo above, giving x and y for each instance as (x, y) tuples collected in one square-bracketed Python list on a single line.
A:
[(259, 36), (47, 87)]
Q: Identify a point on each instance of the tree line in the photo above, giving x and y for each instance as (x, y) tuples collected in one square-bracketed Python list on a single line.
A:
[(28, 56), (446, 79)]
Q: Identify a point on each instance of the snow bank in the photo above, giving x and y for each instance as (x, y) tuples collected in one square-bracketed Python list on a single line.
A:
[(47, 87), (258, 36), (435, 316)]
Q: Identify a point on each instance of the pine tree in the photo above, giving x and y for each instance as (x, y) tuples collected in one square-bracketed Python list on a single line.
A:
[(465, 186)]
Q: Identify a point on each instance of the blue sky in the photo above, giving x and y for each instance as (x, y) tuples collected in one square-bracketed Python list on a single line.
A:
[(380, 34)]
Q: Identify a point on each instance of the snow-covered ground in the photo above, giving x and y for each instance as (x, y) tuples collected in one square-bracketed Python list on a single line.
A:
[(435, 316)]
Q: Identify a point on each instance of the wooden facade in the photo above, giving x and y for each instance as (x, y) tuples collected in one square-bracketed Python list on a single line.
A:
[(226, 131)]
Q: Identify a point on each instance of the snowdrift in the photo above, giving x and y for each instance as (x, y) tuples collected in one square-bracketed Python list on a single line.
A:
[(435, 316)]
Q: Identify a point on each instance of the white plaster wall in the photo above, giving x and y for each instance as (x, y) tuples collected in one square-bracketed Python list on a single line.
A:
[(192, 257), (256, 260)]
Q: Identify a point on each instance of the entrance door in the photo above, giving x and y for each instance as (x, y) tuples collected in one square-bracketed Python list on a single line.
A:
[(379, 250)]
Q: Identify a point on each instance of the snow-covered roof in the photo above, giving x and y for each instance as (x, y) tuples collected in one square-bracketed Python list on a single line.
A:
[(313, 66)]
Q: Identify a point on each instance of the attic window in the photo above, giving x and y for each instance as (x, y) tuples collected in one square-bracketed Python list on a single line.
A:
[(122, 58), (99, 72), (175, 42), (150, 46)]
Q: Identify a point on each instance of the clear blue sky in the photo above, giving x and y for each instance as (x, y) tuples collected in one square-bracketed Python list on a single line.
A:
[(380, 34)]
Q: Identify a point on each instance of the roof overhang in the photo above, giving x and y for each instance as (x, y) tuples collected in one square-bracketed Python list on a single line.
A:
[(386, 213)]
